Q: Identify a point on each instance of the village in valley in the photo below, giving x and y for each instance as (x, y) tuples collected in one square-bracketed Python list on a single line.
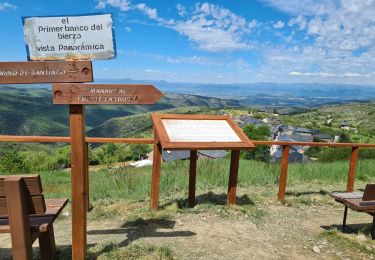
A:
[(270, 118)]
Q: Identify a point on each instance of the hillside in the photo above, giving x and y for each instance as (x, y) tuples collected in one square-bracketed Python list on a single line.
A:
[(360, 117), (136, 125), (29, 111)]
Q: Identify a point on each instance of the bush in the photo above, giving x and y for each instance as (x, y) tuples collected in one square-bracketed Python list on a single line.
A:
[(110, 153), (13, 162), (261, 152)]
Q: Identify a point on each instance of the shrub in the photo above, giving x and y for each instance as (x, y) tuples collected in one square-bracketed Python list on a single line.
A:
[(261, 152), (13, 162)]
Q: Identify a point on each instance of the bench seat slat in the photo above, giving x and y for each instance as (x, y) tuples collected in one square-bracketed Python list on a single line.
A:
[(360, 205), (35, 223), (54, 208)]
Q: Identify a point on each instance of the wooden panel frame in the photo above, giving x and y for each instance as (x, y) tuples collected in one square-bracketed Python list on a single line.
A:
[(163, 138)]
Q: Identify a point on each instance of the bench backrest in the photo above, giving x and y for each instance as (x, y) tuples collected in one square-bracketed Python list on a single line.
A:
[(32, 191), (369, 193)]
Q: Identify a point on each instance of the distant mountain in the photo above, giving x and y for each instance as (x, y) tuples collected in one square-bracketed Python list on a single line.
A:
[(274, 94), (29, 111), (261, 94)]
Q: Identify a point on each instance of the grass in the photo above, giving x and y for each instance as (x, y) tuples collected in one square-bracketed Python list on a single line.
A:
[(112, 251), (342, 241), (134, 183), (150, 252), (258, 184)]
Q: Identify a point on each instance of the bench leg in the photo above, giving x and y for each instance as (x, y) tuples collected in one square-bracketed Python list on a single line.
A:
[(47, 243), (344, 220), (18, 218), (373, 227)]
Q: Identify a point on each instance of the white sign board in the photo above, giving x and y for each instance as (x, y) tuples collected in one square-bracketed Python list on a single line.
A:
[(70, 37), (181, 130)]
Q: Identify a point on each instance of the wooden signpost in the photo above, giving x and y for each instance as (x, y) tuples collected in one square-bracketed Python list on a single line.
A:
[(45, 72), (80, 37), (67, 78), (76, 95), (105, 94), (196, 132)]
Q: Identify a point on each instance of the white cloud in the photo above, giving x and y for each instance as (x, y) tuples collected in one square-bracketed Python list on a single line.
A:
[(279, 25), (7, 5), (123, 5), (303, 7), (150, 12), (338, 41), (211, 27), (198, 60), (214, 28), (295, 73), (181, 10), (300, 21), (154, 71)]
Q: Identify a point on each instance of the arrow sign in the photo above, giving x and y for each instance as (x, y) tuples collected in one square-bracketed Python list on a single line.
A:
[(45, 72), (105, 94)]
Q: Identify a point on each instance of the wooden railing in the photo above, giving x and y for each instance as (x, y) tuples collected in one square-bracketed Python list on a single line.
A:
[(284, 159)]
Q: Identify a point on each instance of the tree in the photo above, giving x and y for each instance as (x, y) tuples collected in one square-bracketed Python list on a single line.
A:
[(261, 152), (344, 137)]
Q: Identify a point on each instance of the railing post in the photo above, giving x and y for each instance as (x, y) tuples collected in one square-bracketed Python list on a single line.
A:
[(233, 176), (88, 207), (192, 178), (155, 179), (283, 172), (352, 169)]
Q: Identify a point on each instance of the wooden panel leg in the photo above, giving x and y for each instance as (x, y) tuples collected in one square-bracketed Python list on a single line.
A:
[(233, 175), (18, 219), (78, 175), (352, 169), (283, 172), (155, 180), (192, 178), (47, 244)]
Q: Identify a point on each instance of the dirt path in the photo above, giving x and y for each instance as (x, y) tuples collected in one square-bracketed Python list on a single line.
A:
[(267, 232)]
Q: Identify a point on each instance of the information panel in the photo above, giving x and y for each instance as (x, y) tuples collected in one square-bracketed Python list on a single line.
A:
[(199, 131), (84, 37)]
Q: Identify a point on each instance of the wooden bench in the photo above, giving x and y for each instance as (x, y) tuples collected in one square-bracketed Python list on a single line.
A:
[(26, 215), (358, 201)]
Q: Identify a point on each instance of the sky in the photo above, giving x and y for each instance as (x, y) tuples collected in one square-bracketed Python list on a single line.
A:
[(237, 41)]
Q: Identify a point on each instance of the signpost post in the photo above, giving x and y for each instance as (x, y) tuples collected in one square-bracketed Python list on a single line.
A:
[(196, 132)]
